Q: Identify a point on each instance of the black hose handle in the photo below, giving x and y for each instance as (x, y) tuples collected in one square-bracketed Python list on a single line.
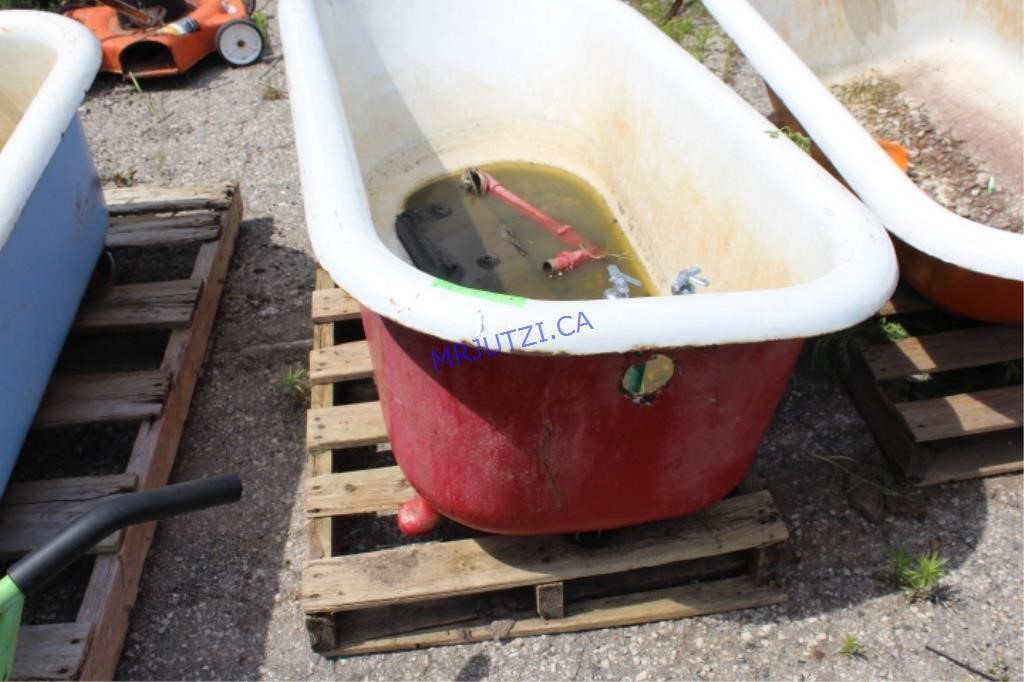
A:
[(35, 569)]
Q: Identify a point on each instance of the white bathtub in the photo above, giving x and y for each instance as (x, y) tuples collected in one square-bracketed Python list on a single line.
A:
[(388, 95), (964, 59)]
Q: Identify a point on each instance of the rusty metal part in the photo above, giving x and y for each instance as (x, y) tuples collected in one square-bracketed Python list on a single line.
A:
[(150, 17)]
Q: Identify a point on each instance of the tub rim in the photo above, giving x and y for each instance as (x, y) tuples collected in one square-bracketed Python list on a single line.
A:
[(35, 138), (902, 206), (862, 278)]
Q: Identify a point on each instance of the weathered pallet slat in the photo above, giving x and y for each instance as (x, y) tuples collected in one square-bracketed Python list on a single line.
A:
[(964, 414), (960, 435), (344, 362), (20, 534), (320, 530), (51, 652), (150, 199), (445, 592), (345, 426), (136, 231), (333, 305), (163, 223), (39, 495), (140, 238), (365, 491), (32, 512), (135, 307), (90, 647), (321, 463), (957, 349), (423, 622), (98, 398), (635, 608), (991, 454)]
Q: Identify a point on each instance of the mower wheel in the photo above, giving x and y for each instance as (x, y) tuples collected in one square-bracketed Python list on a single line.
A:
[(240, 42)]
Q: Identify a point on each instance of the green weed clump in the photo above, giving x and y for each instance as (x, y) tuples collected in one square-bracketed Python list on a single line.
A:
[(260, 19), (295, 382), (918, 576), (681, 28), (832, 351), (893, 331), (795, 136), (851, 647), (699, 45)]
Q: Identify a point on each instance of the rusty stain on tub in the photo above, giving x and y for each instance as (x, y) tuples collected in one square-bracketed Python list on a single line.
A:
[(546, 436)]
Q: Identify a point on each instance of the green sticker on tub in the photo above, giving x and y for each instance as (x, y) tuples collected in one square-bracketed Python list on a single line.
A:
[(517, 301)]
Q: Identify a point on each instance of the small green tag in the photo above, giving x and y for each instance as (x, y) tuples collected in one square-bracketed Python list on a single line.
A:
[(517, 301)]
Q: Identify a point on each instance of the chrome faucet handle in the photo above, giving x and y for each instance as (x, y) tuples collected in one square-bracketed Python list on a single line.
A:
[(687, 281)]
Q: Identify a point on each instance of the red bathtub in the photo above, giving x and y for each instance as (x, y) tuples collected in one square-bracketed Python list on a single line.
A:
[(533, 444)]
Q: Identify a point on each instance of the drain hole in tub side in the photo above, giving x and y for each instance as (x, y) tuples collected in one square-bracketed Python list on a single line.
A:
[(643, 381)]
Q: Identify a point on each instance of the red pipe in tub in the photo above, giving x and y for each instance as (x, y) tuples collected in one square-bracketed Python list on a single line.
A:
[(482, 183), (567, 260)]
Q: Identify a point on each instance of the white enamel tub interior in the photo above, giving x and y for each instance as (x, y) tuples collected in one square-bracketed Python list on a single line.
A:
[(52, 216), (963, 59), (387, 95)]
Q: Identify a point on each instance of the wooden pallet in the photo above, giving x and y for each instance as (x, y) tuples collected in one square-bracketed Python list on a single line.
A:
[(970, 429), (474, 586), (206, 220)]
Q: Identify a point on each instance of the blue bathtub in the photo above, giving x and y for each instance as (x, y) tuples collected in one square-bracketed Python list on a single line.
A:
[(52, 216)]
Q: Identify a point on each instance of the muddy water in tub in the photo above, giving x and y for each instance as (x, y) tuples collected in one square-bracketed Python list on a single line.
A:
[(482, 242)]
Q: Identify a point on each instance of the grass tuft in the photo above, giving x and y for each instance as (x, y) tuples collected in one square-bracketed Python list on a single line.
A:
[(795, 136), (699, 45), (851, 647), (682, 28), (153, 108), (295, 382), (893, 331), (832, 352), (260, 19), (919, 576)]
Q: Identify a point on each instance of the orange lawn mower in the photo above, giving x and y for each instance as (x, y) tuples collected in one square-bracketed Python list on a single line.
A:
[(146, 38)]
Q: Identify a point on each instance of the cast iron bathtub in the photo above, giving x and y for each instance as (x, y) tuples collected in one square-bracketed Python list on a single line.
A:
[(389, 95)]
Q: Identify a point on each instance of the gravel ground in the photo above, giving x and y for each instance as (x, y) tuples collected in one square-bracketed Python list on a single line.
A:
[(219, 597)]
